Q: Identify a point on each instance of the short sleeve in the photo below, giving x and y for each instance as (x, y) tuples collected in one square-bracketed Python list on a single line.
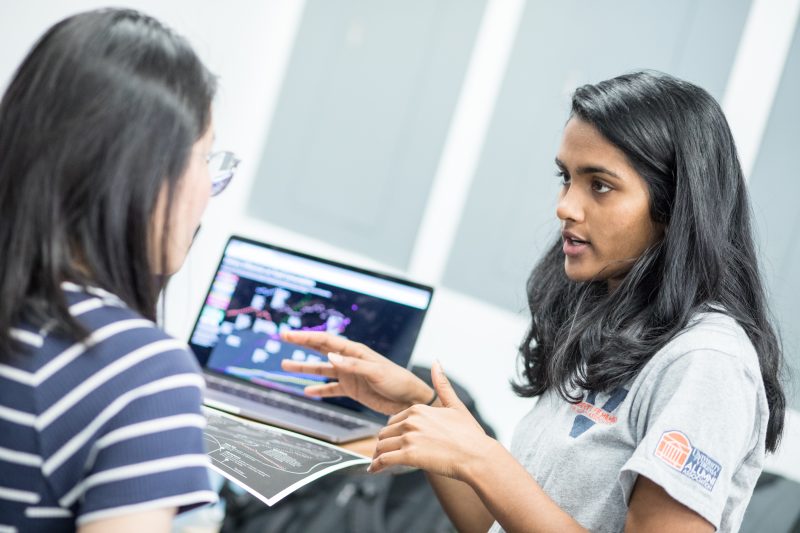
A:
[(141, 445), (696, 423)]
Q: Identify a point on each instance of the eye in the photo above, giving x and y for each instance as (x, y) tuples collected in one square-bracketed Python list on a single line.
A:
[(600, 187), (563, 177)]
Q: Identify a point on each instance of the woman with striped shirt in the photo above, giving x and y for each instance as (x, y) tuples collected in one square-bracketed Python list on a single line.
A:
[(105, 143)]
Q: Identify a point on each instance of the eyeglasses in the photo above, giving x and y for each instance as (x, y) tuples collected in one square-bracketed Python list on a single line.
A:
[(222, 167)]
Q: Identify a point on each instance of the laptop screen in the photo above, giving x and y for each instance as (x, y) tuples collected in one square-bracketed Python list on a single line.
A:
[(260, 290)]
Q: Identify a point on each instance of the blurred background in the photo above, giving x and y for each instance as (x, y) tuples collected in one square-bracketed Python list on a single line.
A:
[(418, 137)]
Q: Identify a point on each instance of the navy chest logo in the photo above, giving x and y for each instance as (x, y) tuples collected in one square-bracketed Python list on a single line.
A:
[(590, 414)]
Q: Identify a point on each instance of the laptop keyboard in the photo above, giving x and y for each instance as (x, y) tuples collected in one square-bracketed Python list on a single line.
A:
[(281, 402)]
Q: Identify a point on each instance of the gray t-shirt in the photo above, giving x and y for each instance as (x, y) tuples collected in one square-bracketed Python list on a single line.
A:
[(693, 420)]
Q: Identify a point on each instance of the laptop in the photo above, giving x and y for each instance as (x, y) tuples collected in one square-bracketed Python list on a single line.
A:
[(261, 290)]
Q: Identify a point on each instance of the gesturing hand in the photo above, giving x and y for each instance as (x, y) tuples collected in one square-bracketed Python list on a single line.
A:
[(444, 440), (361, 373)]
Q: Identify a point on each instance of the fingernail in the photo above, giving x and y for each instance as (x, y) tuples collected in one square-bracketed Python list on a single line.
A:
[(369, 468), (335, 357)]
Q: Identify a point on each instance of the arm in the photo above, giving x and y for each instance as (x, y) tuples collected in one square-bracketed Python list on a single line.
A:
[(375, 381), (514, 497), (464, 508), (462, 462), (652, 509), (476, 479), (155, 521)]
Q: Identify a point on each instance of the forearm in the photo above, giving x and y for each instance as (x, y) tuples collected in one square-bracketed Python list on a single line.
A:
[(464, 508), (513, 497), (153, 521)]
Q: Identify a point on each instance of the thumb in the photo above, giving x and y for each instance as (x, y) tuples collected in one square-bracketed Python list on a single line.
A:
[(443, 388)]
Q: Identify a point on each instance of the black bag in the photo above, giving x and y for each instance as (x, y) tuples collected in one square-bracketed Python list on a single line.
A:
[(354, 502)]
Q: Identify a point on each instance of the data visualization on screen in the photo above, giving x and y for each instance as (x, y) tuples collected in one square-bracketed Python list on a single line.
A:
[(260, 292)]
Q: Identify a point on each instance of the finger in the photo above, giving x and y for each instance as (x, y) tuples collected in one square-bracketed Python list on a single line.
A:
[(325, 343), (318, 369), (352, 365), (312, 339), (328, 390), (393, 430), (444, 389), (402, 415), (388, 445), (388, 460), (322, 342)]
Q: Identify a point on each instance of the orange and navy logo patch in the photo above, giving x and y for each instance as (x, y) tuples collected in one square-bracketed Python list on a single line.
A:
[(676, 451)]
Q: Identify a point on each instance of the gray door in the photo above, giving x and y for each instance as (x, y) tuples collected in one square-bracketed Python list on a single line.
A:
[(775, 189), (362, 118), (510, 218)]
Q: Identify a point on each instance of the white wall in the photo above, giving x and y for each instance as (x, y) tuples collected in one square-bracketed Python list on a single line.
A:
[(747, 103), (248, 44), (248, 47)]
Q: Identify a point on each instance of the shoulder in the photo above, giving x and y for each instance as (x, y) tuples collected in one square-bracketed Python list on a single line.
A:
[(116, 333), (128, 358), (125, 399), (717, 330), (120, 352), (712, 340), (711, 366), (698, 415)]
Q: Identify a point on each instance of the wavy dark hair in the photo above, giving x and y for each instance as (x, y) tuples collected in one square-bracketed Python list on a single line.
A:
[(100, 116), (581, 336)]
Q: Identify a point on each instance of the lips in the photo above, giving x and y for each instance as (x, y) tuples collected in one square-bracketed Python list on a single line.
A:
[(574, 237), (574, 244)]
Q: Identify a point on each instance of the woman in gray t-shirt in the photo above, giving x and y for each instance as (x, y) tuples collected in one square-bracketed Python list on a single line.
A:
[(650, 349)]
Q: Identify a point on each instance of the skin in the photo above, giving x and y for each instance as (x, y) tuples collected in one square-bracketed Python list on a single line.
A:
[(605, 202), (190, 200), (157, 520)]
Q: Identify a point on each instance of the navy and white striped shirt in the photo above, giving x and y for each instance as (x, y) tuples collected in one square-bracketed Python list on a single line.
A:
[(102, 428)]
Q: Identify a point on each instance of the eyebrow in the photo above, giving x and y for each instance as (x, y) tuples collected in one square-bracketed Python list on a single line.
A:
[(591, 169)]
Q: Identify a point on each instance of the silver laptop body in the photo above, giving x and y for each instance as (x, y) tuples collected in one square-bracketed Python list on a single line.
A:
[(260, 290)]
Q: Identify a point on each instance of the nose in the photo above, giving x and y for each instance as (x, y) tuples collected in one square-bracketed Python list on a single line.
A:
[(570, 205)]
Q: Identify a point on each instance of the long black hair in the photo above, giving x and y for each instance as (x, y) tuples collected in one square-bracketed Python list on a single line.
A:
[(99, 118), (583, 337)]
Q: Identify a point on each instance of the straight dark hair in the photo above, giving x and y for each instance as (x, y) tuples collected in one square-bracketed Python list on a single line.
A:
[(99, 118), (581, 336)]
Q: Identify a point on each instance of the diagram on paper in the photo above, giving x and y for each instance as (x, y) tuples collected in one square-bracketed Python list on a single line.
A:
[(269, 462)]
